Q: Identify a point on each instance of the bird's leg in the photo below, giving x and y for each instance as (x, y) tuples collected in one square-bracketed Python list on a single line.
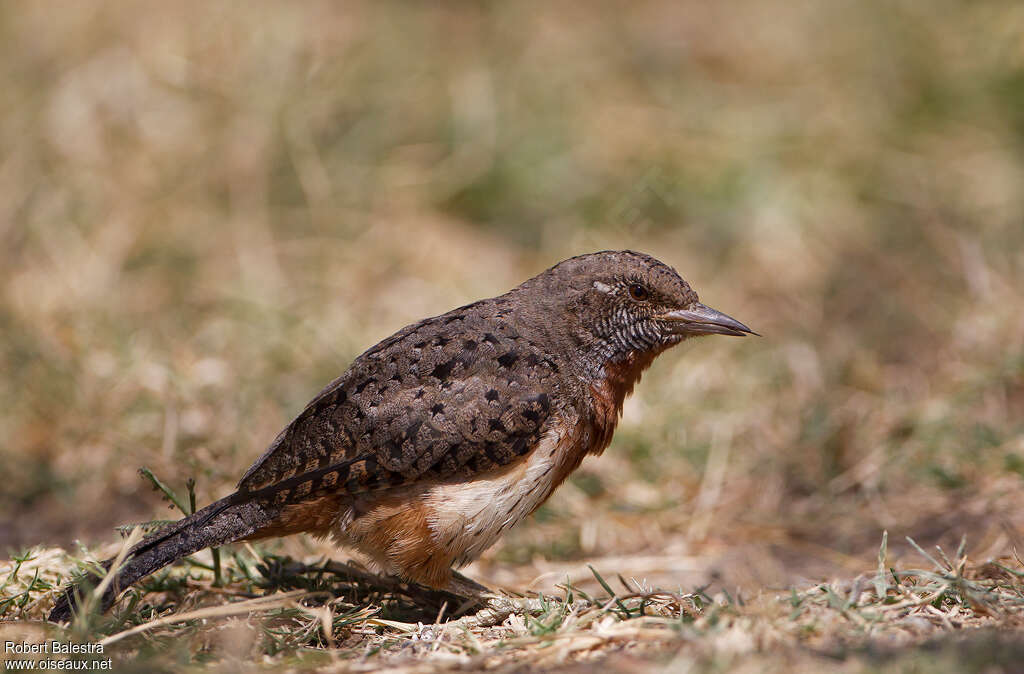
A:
[(476, 596), (467, 587)]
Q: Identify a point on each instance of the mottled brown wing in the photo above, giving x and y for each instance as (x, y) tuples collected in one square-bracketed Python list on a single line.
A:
[(437, 399)]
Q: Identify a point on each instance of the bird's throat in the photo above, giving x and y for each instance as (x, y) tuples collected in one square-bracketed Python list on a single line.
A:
[(609, 393)]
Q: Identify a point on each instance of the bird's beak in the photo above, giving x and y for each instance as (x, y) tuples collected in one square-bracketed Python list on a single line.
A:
[(702, 320)]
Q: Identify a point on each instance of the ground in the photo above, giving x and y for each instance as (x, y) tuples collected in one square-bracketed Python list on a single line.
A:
[(206, 213), (955, 616)]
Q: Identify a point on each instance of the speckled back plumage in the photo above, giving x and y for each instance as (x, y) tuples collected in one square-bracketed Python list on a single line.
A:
[(463, 392)]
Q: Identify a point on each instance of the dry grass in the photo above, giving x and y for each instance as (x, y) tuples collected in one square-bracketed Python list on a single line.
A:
[(207, 212), (338, 617)]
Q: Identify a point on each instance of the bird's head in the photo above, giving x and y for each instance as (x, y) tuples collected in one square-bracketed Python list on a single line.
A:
[(623, 304)]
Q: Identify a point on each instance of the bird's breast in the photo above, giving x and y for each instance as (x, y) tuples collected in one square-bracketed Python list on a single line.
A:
[(468, 517)]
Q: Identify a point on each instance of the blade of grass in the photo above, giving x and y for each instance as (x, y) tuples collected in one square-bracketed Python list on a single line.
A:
[(611, 593), (129, 542), (246, 606), (881, 586), (925, 554), (168, 492), (218, 578)]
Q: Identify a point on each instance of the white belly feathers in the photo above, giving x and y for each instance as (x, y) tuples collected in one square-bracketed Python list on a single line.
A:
[(469, 517)]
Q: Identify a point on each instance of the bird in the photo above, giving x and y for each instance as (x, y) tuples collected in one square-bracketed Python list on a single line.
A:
[(441, 437)]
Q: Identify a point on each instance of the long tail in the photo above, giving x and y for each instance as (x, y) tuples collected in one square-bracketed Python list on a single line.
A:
[(229, 519)]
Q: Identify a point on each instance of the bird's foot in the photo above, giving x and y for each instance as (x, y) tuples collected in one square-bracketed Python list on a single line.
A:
[(485, 607)]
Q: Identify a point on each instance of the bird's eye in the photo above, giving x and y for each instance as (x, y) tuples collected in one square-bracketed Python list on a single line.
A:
[(638, 292)]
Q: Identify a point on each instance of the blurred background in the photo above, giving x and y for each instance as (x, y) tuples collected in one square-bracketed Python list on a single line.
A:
[(206, 211)]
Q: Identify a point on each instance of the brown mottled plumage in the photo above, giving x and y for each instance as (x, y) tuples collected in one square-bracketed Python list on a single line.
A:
[(442, 436)]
